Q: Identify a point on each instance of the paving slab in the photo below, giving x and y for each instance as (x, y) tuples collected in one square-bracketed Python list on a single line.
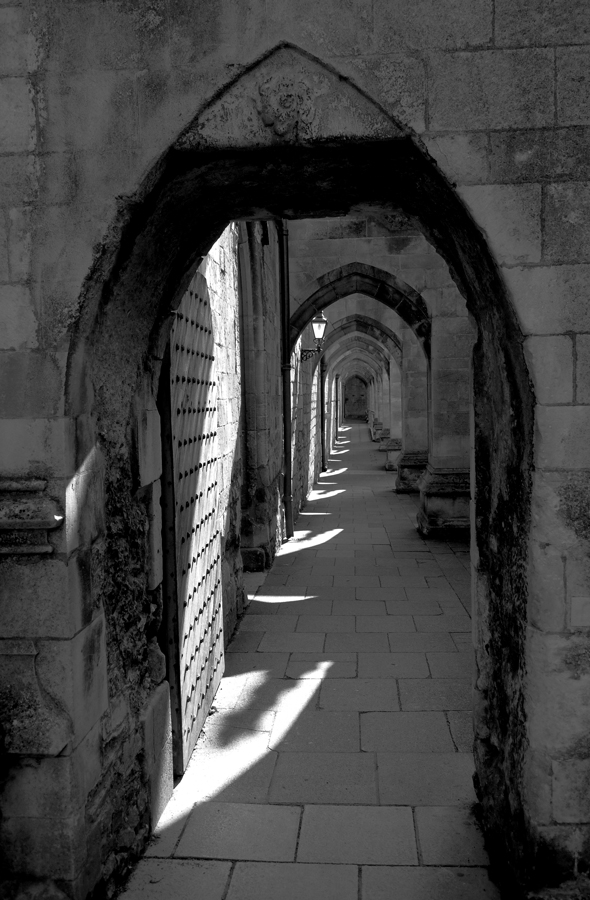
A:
[(274, 642), (445, 622), (357, 834), (406, 732), (273, 663), (161, 879), (413, 608), (449, 836), (436, 693), (461, 725), (359, 608), (393, 665), (326, 624), (451, 665), (268, 623), (260, 693), (425, 779), (322, 665), (241, 831), (316, 730), (291, 881), (421, 883), (312, 606), (245, 642), (348, 778), (431, 642), (362, 694), (368, 642), (385, 623)]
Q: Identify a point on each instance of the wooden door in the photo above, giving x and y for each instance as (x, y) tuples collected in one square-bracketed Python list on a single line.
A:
[(192, 539)]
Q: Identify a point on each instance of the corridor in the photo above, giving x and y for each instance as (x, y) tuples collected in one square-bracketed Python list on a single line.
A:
[(336, 761)]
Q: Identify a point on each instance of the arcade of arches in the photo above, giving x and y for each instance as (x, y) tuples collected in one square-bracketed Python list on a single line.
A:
[(180, 195)]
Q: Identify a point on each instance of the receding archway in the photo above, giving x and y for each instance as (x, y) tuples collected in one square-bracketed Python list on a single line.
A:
[(227, 165), (361, 278)]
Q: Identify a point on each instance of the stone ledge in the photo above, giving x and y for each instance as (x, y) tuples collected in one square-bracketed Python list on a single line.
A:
[(26, 515)]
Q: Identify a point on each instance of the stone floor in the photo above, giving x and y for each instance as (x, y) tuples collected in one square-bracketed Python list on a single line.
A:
[(336, 762)]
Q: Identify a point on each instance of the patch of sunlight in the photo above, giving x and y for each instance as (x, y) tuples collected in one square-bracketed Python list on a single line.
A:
[(334, 472), (324, 495), (336, 452), (296, 543), (279, 598), (213, 769), (345, 428), (313, 514)]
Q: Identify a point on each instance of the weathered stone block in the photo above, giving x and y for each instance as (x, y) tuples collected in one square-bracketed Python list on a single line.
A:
[(537, 787), (155, 536), (17, 116), (398, 81), (563, 437), (45, 787), (526, 22), (550, 362), (90, 110), (74, 674), (546, 597), (445, 498), (31, 384), (18, 322), (567, 223), (539, 155), (37, 447), (410, 468), (491, 89), (34, 600), (583, 368), (157, 731), (449, 25), (43, 848), (558, 680), (571, 793), (536, 290), (464, 158), (510, 215), (149, 446), (20, 240), (16, 44), (30, 725), (573, 85)]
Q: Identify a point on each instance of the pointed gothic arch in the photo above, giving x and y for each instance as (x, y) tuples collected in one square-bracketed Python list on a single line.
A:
[(291, 137)]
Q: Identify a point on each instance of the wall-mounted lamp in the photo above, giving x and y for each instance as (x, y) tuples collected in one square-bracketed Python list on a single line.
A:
[(319, 324)]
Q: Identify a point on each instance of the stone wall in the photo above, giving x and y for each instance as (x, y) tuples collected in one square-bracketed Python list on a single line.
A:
[(471, 120)]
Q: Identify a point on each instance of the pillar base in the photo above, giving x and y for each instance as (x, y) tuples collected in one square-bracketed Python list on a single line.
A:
[(393, 449), (376, 429), (410, 468), (444, 501), (384, 439)]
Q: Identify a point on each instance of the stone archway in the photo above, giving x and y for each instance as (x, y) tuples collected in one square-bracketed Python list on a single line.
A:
[(361, 278), (290, 137)]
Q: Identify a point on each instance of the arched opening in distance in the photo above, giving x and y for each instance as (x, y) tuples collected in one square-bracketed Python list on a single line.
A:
[(223, 169)]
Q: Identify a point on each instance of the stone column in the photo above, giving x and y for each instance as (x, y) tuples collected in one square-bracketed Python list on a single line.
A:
[(411, 464), (445, 485)]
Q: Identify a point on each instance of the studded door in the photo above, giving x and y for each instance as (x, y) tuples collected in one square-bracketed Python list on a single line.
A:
[(193, 441)]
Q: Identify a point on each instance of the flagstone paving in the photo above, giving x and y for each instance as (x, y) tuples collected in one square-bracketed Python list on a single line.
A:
[(336, 763)]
